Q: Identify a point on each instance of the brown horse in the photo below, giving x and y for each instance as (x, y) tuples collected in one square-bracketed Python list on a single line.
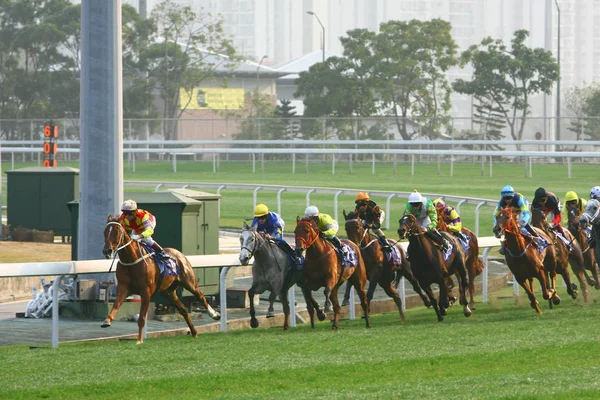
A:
[(379, 269), (589, 259), (473, 263), (521, 257), (556, 261), (429, 267), (138, 273), (323, 268)]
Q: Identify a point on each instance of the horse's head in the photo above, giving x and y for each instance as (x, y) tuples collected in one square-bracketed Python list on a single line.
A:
[(592, 210), (115, 236), (538, 218), (408, 224), (306, 233), (573, 216), (249, 243), (354, 227), (505, 221)]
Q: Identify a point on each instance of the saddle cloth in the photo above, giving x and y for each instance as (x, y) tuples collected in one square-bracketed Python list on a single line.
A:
[(465, 244), (394, 257), (350, 259), (167, 266)]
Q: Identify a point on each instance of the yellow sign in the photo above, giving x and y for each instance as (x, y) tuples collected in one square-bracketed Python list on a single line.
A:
[(212, 98)]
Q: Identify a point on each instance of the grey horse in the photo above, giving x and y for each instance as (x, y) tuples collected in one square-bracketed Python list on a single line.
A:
[(591, 215), (269, 269)]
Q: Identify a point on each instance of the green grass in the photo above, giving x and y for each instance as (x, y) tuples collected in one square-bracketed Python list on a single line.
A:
[(502, 351), (467, 181)]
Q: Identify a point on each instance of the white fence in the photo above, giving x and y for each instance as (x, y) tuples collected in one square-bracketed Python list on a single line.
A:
[(225, 261)]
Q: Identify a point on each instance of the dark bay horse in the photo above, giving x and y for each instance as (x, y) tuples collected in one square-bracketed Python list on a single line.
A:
[(589, 259), (269, 269), (521, 257), (556, 261), (138, 273), (473, 262), (429, 267), (323, 268), (379, 269)]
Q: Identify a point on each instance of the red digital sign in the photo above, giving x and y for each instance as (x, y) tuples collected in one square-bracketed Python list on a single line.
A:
[(50, 145)]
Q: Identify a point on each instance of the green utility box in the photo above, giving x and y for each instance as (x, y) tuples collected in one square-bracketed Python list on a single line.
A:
[(186, 220), (37, 198)]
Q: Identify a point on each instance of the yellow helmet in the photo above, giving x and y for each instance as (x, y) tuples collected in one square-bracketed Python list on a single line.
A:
[(439, 204), (571, 195), (362, 196), (129, 205), (261, 210)]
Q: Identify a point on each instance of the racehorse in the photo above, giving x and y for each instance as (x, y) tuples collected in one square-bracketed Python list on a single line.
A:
[(379, 269), (591, 216), (269, 269), (473, 263), (429, 267), (323, 268), (521, 257), (556, 261), (589, 260), (138, 273)]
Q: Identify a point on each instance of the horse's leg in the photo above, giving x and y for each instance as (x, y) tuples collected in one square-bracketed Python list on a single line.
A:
[(450, 289), (145, 305), (309, 305), (271, 310), (191, 285), (320, 313), (253, 320), (346, 300), (388, 288), (174, 300), (433, 302), (408, 274), (463, 285), (283, 296), (528, 289), (122, 293), (333, 296), (327, 305), (359, 281)]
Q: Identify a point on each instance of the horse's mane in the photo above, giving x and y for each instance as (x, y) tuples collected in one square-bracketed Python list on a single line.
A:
[(442, 226), (352, 215)]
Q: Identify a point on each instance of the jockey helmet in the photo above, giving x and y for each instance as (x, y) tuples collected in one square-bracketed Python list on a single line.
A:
[(129, 205), (571, 195), (311, 211), (439, 204), (595, 193), (415, 197), (261, 210), (540, 193), (507, 191), (362, 196)]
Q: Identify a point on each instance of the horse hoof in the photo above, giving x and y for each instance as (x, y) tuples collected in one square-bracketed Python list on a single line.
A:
[(254, 323), (556, 300), (140, 342), (443, 312), (321, 315), (573, 286), (105, 324), (216, 316), (473, 307), (345, 303), (328, 309), (270, 314), (467, 311)]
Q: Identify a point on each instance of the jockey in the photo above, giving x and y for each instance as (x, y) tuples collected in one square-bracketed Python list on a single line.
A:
[(271, 224), (372, 216), (548, 202), (574, 201), (140, 225), (595, 193), (519, 205), (327, 225), (451, 218), (424, 211)]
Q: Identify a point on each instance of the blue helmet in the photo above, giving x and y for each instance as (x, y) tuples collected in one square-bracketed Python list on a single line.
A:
[(507, 191)]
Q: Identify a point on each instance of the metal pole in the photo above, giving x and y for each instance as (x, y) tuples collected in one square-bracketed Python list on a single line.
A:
[(558, 82), (223, 298)]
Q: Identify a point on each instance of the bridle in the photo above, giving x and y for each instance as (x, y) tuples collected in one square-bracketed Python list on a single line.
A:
[(512, 232), (365, 231), (311, 232), (409, 222), (257, 243), (119, 247)]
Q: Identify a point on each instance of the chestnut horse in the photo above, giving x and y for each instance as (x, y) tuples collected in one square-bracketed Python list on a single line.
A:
[(589, 259), (429, 267), (556, 261), (379, 269), (323, 268), (473, 263), (521, 257), (138, 273)]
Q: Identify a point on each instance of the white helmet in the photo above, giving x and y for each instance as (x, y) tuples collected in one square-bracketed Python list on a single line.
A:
[(415, 197), (311, 211), (595, 193)]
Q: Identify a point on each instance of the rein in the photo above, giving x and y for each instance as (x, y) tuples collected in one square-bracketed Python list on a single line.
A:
[(121, 239), (312, 241), (364, 235), (515, 233)]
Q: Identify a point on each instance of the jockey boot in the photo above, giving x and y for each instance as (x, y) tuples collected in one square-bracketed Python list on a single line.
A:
[(439, 239), (462, 237), (159, 250), (337, 243), (561, 234), (385, 246), (535, 238)]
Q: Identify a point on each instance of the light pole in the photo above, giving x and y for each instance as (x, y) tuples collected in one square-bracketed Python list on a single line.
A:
[(558, 83), (322, 27), (257, 98)]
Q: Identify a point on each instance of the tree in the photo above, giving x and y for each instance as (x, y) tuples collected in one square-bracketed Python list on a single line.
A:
[(508, 77), (185, 50), (290, 124), (579, 101)]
